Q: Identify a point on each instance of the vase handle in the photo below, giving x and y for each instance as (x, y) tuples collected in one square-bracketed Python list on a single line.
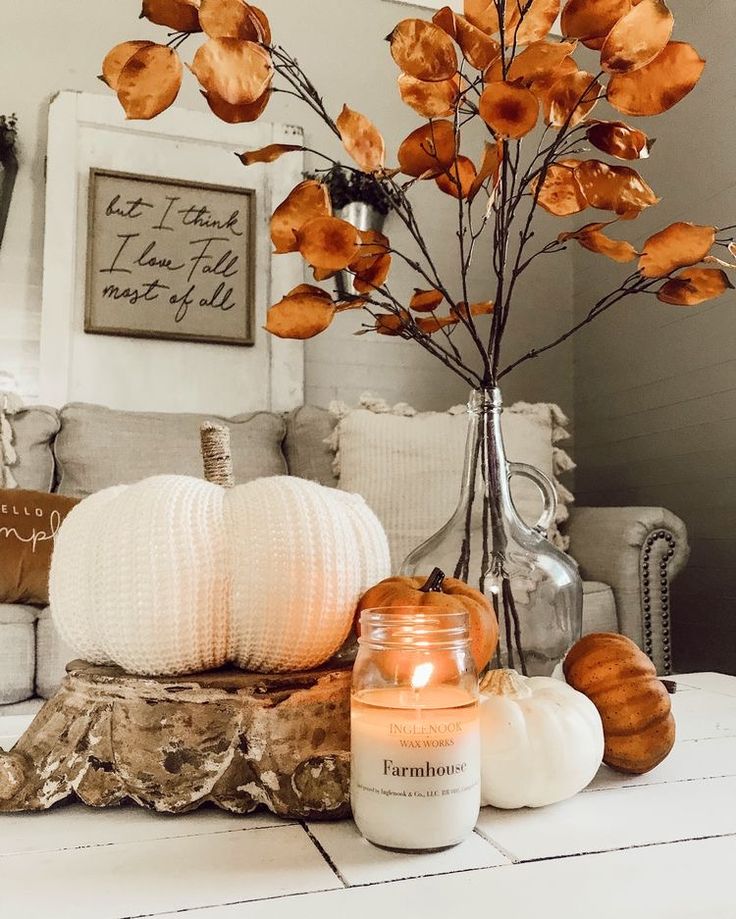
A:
[(549, 493)]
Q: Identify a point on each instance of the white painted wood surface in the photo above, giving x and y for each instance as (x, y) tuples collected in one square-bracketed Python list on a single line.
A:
[(88, 130), (661, 845)]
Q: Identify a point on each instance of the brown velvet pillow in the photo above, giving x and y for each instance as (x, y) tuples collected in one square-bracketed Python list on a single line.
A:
[(29, 520)]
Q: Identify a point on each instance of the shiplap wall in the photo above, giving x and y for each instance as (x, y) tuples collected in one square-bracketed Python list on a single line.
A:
[(655, 385), (342, 46)]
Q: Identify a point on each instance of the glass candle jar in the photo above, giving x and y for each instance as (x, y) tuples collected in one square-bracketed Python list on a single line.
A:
[(415, 735)]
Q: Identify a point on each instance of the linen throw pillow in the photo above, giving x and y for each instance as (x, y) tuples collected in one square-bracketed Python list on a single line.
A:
[(26, 438), (408, 465), (98, 447), (29, 521)]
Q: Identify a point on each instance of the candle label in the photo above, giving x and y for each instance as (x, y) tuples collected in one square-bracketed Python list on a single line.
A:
[(415, 773)]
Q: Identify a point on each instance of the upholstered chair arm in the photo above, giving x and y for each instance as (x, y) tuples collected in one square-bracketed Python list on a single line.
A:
[(638, 551)]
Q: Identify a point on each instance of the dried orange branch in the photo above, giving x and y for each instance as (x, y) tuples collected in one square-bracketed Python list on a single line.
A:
[(496, 64)]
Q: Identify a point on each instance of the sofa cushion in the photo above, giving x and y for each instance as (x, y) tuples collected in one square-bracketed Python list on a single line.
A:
[(599, 608), (98, 447), (52, 656), (17, 652), (29, 521), (307, 444), (28, 457), (408, 465)]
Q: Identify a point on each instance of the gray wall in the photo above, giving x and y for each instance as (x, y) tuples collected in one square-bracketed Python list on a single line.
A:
[(59, 45), (655, 386)]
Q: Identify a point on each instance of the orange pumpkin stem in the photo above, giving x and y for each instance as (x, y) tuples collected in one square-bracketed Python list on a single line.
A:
[(434, 582)]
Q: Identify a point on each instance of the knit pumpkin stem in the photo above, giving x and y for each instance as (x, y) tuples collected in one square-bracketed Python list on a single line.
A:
[(216, 454), (434, 582)]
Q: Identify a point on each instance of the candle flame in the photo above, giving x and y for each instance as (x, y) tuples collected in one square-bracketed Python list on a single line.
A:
[(421, 676)]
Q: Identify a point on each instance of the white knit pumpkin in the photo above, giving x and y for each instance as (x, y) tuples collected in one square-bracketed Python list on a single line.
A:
[(175, 575)]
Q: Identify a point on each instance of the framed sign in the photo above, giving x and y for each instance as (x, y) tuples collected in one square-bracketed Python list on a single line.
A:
[(170, 259)]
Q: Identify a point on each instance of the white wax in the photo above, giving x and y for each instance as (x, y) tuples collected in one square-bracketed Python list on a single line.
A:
[(415, 776)]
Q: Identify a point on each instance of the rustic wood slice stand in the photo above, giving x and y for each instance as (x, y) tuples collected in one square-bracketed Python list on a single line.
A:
[(238, 740)]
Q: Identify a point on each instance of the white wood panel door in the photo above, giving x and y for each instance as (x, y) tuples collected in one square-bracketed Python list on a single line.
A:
[(88, 130)]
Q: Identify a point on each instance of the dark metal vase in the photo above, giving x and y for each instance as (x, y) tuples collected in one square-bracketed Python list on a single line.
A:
[(363, 217)]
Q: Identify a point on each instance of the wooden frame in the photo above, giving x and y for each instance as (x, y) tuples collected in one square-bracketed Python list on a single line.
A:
[(89, 130), (90, 326)]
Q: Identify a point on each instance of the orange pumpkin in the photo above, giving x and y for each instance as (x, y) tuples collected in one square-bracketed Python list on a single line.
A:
[(632, 701), (439, 593)]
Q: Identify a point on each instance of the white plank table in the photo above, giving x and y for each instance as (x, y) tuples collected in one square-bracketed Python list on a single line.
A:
[(660, 845)]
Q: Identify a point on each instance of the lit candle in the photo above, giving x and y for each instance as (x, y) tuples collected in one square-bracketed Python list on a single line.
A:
[(415, 780)]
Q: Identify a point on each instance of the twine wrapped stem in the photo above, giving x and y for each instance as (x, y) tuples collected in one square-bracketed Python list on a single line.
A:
[(216, 454)]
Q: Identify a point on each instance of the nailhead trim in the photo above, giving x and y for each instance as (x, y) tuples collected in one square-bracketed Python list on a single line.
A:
[(647, 588)]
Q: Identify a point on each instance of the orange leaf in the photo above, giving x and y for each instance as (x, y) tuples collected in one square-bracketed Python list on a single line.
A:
[(264, 24), (354, 303), (236, 71), (429, 150), (614, 188), (508, 110), (362, 140), (619, 140), (390, 324), (372, 243), (482, 14), (638, 38), (308, 200), (371, 272), (300, 315), (323, 274), (238, 114), (490, 168), (117, 57), (538, 60), (267, 154), (425, 301), (328, 242), (180, 15), (423, 50), (536, 23), (658, 86), (592, 238), (372, 264), (445, 18), (478, 48), (694, 286), (571, 98), (677, 246), (592, 20), (522, 28), (431, 324), (149, 82), (234, 19), (476, 309), (431, 100), (310, 289), (543, 82), (459, 178), (561, 193)]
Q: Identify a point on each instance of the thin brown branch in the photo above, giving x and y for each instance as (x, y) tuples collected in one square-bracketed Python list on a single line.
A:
[(527, 234), (640, 286)]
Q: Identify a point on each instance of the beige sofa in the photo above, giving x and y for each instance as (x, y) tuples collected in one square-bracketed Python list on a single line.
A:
[(627, 556)]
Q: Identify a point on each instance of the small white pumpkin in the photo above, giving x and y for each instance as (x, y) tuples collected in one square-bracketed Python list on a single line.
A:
[(175, 574), (541, 740)]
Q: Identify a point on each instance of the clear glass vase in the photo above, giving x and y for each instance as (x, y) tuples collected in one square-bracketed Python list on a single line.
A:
[(535, 588)]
